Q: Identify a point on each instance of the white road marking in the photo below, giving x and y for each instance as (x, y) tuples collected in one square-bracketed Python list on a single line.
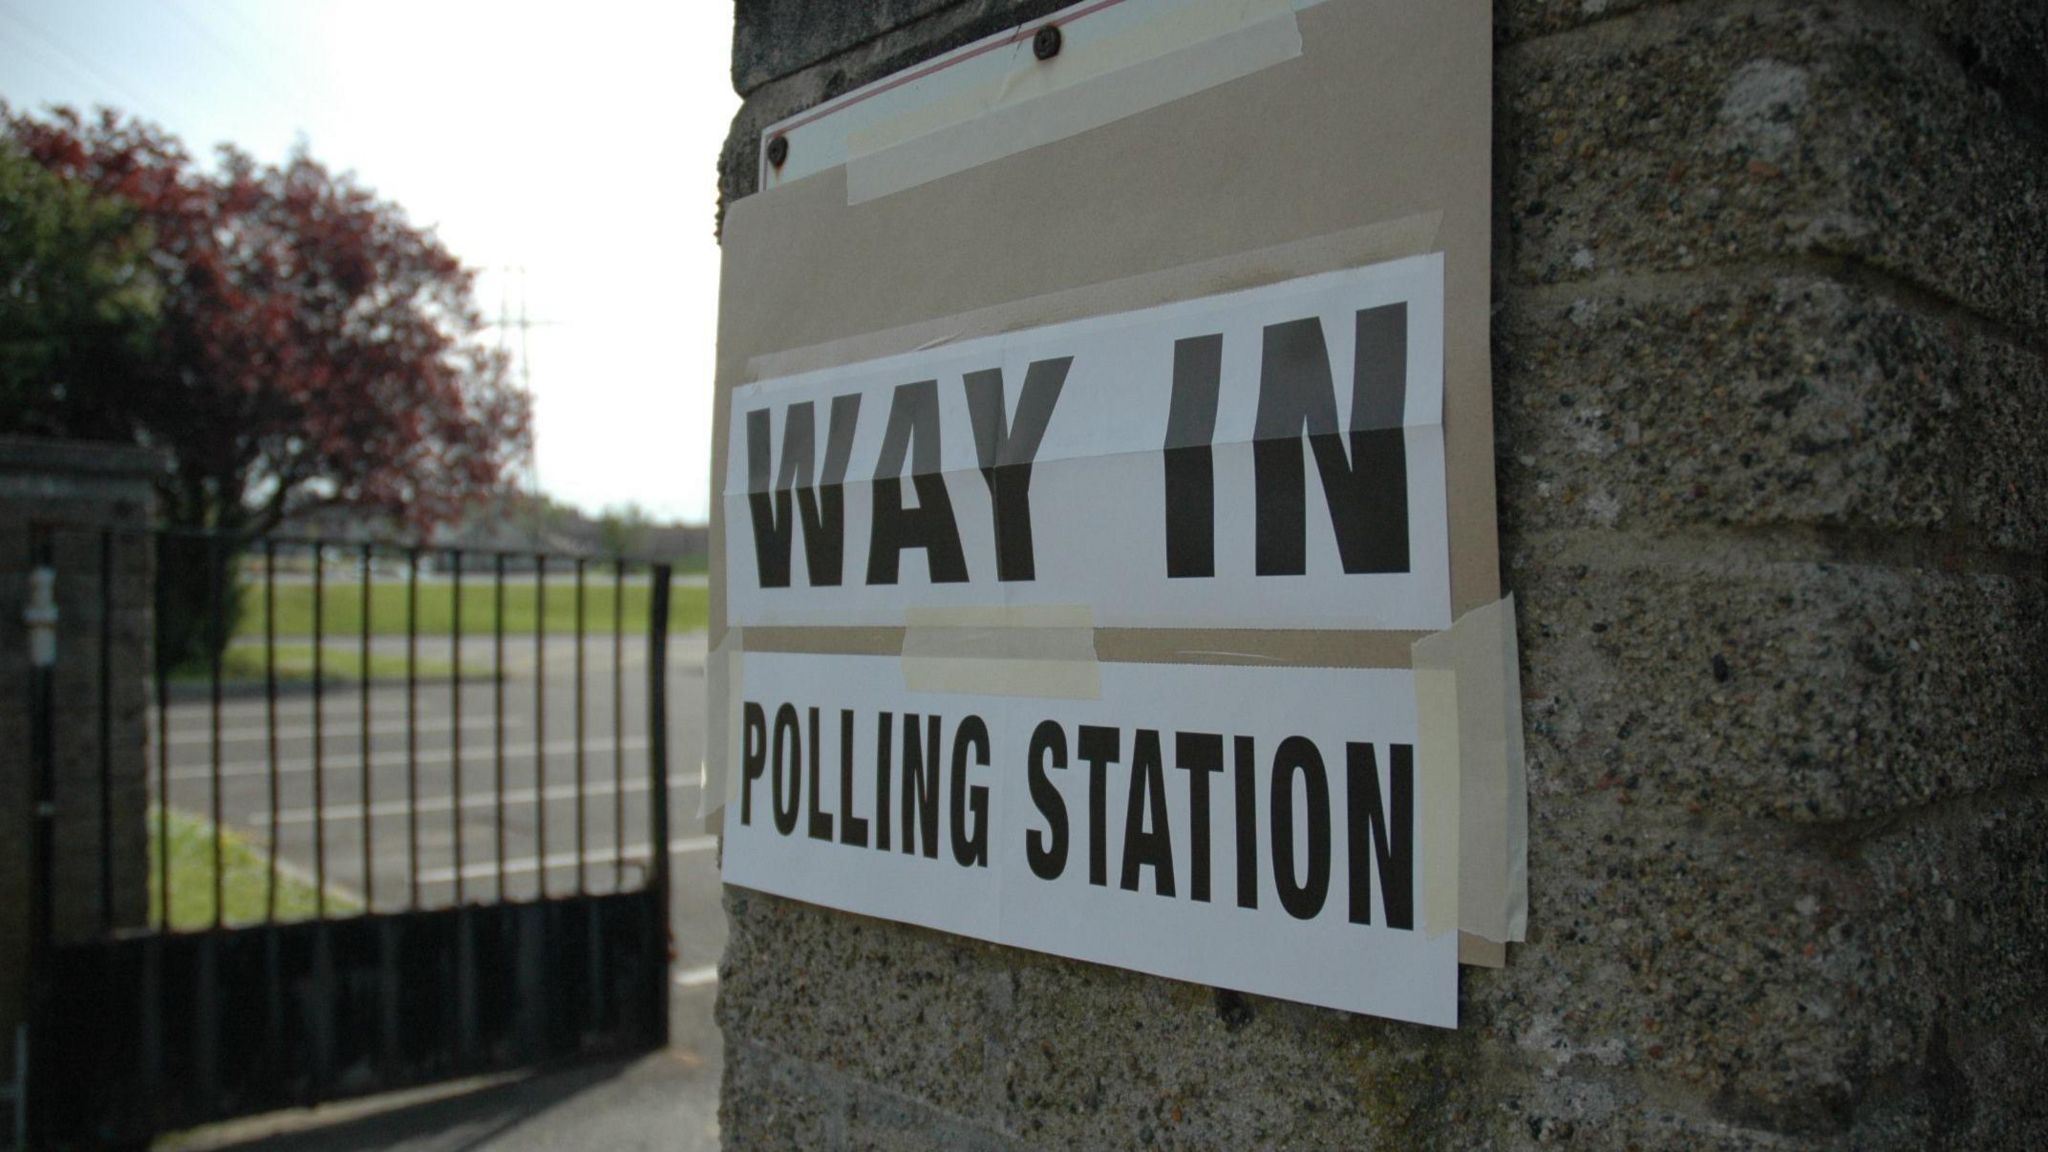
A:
[(336, 728), (434, 805), (529, 864), (483, 752)]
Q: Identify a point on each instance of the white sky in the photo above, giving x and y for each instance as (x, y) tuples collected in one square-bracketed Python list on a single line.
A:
[(579, 141)]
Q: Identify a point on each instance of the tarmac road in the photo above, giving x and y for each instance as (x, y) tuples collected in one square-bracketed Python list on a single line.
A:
[(466, 837)]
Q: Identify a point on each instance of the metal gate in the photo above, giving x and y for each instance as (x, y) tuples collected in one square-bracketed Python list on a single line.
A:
[(354, 881)]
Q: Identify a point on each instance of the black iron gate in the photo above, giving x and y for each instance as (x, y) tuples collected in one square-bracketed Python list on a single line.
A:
[(353, 882)]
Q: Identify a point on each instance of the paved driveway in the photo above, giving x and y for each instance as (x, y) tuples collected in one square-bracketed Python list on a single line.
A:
[(496, 813)]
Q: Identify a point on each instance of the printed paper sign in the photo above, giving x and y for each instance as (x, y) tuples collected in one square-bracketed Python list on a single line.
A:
[(1271, 458), (1252, 828)]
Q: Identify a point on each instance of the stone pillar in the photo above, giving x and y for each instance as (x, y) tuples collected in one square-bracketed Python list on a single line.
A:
[(78, 490), (1771, 392)]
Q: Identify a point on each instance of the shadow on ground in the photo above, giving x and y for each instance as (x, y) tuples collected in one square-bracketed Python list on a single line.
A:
[(666, 1100)]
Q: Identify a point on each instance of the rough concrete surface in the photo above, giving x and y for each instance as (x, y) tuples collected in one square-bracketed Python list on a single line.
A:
[(1771, 282)]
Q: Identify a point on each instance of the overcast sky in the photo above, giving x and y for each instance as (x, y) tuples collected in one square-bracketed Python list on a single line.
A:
[(579, 142)]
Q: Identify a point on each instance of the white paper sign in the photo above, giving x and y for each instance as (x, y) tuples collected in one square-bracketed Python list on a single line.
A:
[(1259, 829), (1271, 458)]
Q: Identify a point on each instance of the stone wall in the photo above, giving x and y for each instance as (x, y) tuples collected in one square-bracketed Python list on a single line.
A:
[(1771, 381), (78, 490)]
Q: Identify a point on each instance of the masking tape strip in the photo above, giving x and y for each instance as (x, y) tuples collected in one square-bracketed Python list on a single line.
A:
[(1047, 652), (1090, 83), (724, 690), (1346, 248), (1489, 822), (1436, 755)]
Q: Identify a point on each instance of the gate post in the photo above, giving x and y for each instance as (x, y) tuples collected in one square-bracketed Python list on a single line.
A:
[(657, 788), (78, 496)]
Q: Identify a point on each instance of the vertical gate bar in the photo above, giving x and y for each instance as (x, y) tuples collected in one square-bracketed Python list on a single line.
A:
[(369, 822), (319, 739), (206, 1024), (657, 787), (465, 987), (323, 1007), (412, 731), (455, 708), (43, 756), (619, 724), (152, 992), (273, 1004), (498, 712), (387, 998), (270, 719), (217, 641), (540, 720), (106, 689), (582, 839), (594, 968), (163, 749)]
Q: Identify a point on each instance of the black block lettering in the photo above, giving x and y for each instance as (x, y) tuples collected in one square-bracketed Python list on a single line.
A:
[(1367, 491), (1190, 461), (819, 826), (1392, 833), (1145, 845), (753, 755), (920, 785), (1100, 747), (1303, 898), (913, 432), (823, 506), (1047, 851), (1247, 823), (970, 842), (1007, 450), (884, 729), (852, 829), (789, 752), (1199, 754)]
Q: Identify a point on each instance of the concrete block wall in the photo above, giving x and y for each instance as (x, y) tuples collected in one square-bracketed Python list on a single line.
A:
[(1771, 393), (81, 489)]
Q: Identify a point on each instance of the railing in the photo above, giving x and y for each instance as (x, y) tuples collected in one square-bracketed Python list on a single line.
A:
[(383, 777), (398, 814)]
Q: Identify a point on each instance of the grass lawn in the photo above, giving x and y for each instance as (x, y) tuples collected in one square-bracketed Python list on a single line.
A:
[(340, 665), (343, 607), (245, 875)]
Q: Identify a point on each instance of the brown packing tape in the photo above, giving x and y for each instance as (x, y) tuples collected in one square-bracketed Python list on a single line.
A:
[(1469, 714)]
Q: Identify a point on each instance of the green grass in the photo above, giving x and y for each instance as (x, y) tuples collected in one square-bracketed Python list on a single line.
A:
[(341, 664), (245, 875), (342, 608)]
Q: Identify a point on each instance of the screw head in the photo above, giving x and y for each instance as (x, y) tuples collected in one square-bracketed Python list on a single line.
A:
[(1046, 44), (778, 150)]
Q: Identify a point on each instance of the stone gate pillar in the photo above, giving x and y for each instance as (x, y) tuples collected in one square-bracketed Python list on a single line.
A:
[(74, 492), (1771, 389)]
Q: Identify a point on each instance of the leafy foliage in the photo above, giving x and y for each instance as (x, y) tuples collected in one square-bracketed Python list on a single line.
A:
[(309, 345)]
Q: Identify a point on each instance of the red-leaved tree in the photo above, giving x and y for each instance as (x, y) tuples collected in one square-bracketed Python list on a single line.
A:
[(306, 347), (312, 347)]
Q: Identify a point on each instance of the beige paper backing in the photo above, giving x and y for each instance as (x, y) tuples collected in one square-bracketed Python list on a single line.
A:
[(1374, 143)]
